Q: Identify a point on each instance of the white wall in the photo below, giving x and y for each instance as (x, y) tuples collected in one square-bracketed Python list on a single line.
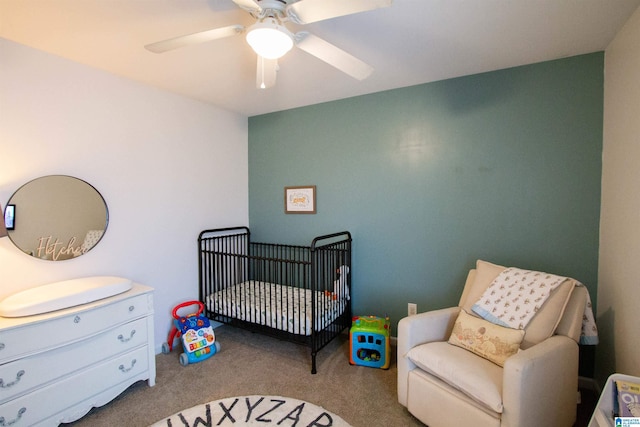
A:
[(619, 281), (167, 167)]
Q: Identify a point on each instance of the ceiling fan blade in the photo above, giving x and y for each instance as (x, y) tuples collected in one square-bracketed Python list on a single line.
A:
[(249, 5), (202, 36), (266, 72), (307, 11), (333, 55)]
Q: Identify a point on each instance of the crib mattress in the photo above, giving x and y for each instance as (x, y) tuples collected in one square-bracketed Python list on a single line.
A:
[(278, 306)]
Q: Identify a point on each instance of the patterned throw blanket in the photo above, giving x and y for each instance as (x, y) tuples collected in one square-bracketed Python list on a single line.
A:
[(515, 296)]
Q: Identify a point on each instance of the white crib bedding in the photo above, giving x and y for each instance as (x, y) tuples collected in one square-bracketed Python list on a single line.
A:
[(281, 307)]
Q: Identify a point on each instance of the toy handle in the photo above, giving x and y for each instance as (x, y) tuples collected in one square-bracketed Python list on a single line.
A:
[(186, 304)]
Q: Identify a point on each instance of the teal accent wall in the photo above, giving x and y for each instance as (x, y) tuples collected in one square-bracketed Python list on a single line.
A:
[(502, 166)]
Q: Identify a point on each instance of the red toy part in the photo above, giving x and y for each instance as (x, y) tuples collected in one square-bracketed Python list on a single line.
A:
[(200, 305), (175, 333)]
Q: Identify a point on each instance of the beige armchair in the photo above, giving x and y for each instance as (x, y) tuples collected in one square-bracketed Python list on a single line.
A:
[(444, 385)]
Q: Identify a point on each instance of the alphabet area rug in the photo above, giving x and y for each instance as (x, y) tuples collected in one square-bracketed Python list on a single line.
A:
[(254, 411)]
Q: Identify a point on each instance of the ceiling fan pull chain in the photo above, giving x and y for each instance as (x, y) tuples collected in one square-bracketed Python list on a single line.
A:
[(262, 85)]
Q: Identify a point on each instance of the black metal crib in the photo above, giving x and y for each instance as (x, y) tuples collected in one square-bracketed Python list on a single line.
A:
[(296, 293)]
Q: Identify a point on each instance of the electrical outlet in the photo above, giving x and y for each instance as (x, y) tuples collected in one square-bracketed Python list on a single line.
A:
[(412, 309)]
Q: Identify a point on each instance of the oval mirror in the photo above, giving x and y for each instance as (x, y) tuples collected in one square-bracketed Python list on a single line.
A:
[(56, 217)]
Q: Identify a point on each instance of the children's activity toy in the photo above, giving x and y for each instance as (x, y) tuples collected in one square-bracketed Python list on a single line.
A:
[(198, 340), (369, 341)]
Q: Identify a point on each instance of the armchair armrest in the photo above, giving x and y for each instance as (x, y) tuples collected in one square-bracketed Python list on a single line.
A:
[(420, 329), (540, 384)]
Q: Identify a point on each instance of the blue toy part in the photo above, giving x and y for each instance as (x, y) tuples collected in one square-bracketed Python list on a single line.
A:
[(370, 341), (198, 339)]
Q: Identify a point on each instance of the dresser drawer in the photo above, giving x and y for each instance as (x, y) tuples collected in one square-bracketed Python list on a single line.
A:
[(50, 400), (20, 376), (69, 326)]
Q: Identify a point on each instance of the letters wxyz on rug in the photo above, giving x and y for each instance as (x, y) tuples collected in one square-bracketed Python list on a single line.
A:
[(254, 411)]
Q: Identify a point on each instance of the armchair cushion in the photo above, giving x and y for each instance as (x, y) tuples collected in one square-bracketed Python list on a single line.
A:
[(486, 273), (543, 324), (493, 342), (475, 376)]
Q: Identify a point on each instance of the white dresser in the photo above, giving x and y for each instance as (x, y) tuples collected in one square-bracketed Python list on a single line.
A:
[(55, 367)]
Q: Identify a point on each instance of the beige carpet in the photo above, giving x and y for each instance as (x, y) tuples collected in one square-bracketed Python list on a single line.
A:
[(253, 364)]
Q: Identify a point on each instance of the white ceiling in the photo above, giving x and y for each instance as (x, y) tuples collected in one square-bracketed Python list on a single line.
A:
[(409, 43)]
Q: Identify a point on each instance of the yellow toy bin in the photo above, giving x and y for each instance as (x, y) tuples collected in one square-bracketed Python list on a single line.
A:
[(369, 341)]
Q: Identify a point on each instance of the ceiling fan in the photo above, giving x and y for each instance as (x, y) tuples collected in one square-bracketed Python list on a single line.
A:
[(270, 38)]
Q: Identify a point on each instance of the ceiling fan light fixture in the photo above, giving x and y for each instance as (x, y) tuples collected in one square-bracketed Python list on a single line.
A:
[(269, 39)]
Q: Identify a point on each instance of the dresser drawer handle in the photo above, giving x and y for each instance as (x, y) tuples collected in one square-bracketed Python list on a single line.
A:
[(4, 423), (131, 308), (12, 383), (76, 319), (123, 339), (1, 346), (125, 370)]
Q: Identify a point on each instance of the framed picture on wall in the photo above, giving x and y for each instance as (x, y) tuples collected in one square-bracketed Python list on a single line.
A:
[(10, 217), (300, 200)]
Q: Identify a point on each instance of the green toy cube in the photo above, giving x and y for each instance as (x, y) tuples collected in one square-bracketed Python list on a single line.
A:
[(370, 341)]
